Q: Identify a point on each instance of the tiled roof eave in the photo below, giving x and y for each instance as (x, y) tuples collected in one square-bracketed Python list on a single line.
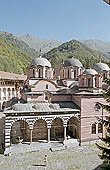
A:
[(42, 111)]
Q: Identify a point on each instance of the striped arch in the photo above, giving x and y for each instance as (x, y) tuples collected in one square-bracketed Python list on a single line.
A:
[(18, 119), (20, 129), (73, 127), (40, 129), (53, 118), (34, 121), (57, 128)]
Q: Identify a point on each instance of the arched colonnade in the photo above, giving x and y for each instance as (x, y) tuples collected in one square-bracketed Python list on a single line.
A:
[(40, 128)]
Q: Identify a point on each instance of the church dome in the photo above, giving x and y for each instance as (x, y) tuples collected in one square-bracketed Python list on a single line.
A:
[(41, 62), (101, 67), (73, 62), (90, 72)]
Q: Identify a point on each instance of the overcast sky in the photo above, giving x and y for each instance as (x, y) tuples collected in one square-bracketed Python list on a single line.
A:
[(62, 20)]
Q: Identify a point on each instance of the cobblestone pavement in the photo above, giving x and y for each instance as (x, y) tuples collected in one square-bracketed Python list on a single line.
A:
[(77, 158)]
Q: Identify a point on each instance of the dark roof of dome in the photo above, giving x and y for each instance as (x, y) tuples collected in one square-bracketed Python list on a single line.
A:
[(101, 67), (73, 62), (41, 62), (90, 72)]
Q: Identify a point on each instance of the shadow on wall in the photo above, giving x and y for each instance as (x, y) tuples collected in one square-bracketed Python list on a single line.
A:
[(2, 125)]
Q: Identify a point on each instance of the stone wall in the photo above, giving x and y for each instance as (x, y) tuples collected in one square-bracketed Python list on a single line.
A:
[(2, 125), (89, 116)]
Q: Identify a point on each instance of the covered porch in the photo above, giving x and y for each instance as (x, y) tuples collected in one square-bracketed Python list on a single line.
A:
[(41, 122)]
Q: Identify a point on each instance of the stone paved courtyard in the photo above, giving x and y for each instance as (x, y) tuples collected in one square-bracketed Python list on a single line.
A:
[(77, 158)]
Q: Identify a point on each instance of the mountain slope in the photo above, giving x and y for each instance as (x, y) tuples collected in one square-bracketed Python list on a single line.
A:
[(77, 50), (21, 45), (11, 58), (98, 45), (38, 43)]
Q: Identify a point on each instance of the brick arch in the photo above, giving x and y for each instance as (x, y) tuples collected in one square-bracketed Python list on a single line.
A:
[(40, 129), (96, 122), (72, 117), (18, 119), (36, 119), (53, 118), (57, 128), (19, 130), (73, 127)]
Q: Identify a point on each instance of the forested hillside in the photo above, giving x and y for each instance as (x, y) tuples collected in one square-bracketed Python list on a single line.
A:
[(12, 59), (21, 45), (77, 50), (16, 55)]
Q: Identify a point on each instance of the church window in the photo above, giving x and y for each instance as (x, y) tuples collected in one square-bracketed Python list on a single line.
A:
[(95, 82), (89, 82), (100, 128), (94, 128), (46, 86), (46, 97), (97, 107), (13, 92), (104, 76), (82, 81), (33, 73), (63, 74), (39, 73), (45, 72), (68, 74), (74, 73), (9, 93)]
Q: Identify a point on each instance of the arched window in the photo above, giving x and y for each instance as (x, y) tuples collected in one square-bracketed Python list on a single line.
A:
[(13, 92), (100, 128), (9, 93), (45, 72), (74, 73), (94, 128), (82, 81), (89, 82), (46, 97), (97, 107), (68, 74), (63, 74), (46, 86), (39, 73), (33, 73), (95, 82), (104, 76)]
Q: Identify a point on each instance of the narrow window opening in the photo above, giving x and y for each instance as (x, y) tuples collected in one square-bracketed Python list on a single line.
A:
[(93, 128)]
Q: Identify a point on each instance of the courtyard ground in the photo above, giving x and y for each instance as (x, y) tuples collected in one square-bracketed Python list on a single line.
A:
[(72, 158)]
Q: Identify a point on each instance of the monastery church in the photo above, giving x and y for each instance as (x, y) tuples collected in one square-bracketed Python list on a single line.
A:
[(53, 104)]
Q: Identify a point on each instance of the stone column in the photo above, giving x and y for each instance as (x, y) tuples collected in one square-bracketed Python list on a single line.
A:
[(31, 135), (49, 127), (7, 136), (65, 132), (31, 130), (65, 126)]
